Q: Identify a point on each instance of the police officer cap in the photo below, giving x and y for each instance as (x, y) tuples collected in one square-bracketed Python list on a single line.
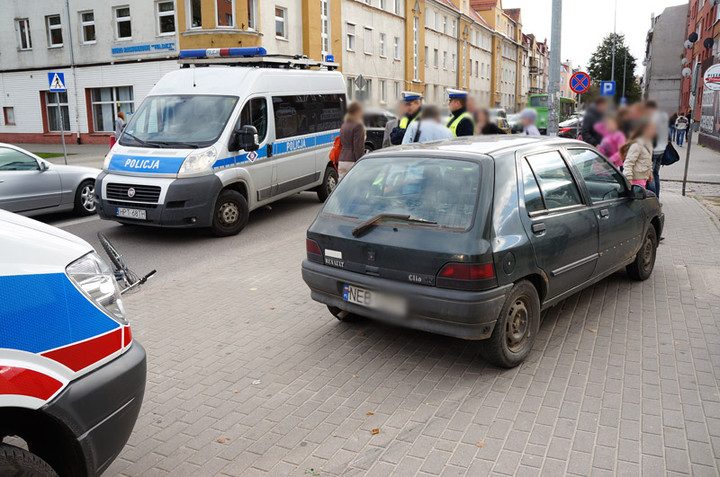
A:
[(409, 96), (456, 93)]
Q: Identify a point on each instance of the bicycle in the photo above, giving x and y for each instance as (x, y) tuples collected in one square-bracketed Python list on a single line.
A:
[(121, 271)]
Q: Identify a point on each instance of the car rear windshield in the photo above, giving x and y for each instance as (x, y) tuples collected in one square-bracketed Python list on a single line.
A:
[(443, 191)]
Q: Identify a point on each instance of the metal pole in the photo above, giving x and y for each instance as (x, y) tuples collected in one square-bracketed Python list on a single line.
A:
[(624, 71), (554, 87), (693, 97), (612, 69), (62, 127)]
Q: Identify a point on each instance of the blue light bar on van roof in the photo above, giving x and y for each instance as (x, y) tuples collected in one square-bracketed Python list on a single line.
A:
[(223, 52)]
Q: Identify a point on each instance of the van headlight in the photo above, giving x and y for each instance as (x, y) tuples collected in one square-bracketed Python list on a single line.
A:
[(108, 158), (96, 280), (199, 161)]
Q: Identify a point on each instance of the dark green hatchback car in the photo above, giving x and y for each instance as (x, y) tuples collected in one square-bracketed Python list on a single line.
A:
[(474, 237)]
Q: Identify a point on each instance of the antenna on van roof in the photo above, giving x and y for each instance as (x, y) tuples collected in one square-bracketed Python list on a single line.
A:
[(254, 57)]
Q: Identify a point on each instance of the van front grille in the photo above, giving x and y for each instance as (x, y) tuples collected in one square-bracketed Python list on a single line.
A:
[(133, 193)]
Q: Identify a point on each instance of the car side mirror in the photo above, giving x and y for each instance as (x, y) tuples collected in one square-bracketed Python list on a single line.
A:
[(42, 165), (638, 192), (244, 138)]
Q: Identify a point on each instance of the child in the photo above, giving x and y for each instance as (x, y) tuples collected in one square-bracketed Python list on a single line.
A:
[(638, 154), (529, 118), (612, 139)]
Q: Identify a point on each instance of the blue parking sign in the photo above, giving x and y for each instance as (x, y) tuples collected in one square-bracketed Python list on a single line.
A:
[(607, 88)]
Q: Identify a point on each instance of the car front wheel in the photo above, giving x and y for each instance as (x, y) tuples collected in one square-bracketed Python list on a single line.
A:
[(231, 213), (15, 461), (330, 181), (516, 327), (85, 198), (644, 263)]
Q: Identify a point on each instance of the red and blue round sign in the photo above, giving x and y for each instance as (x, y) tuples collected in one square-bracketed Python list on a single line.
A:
[(580, 82)]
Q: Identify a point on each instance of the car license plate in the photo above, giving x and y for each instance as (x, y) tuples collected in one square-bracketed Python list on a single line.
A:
[(375, 300), (124, 212)]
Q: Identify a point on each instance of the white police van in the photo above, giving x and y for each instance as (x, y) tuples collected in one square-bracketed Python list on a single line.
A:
[(232, 130), (72, 378)]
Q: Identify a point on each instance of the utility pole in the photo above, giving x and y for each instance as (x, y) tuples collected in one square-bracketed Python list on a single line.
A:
[(693, 102), (612, 68), (624, 71), (554, 86)]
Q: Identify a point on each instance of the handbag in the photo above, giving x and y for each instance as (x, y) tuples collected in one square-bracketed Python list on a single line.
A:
[(335, 151), (670, 156)]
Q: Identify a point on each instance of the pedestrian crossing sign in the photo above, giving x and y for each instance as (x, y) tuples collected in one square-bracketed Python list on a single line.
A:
[(57, 82)]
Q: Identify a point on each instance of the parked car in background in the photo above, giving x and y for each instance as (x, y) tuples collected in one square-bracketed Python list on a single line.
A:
[(474, 238), (571, 127), (30, 185), (515, 123), (375, 121), (499, 117)]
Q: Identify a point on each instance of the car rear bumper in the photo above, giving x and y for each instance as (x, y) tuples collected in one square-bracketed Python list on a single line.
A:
[(101, 407), (462, 314)]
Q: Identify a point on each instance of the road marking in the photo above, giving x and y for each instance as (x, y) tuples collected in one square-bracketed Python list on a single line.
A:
[(70, 222)]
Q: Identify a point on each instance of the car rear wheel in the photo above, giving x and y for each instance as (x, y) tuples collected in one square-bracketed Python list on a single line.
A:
[(231, 213), (644, 263), (330, 181), (17, 462), (516, 327), (344, 316), (85, 198)]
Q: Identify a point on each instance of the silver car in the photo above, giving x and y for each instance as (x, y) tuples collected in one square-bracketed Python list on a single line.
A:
[(30, 185)]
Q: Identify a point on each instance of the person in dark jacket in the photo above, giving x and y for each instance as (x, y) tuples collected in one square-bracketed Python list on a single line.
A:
[(593, 115), (485, 126), (413, 109), (352, 138), (461, 123)]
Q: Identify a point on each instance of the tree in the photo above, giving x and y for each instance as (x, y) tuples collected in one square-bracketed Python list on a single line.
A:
[(600, 69)]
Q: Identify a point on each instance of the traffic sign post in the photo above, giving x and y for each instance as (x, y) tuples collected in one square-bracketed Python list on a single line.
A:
[(607, 88), (580, 82), (57, 85)]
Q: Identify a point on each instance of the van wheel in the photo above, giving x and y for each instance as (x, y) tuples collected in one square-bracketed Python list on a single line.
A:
[(516, 327), (18, 462), (85, 198), (330, 181), (344, 316), (644, 263), (231, 213)]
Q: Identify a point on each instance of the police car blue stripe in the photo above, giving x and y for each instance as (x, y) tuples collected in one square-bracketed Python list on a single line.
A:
[(46, 311), (152, 164)]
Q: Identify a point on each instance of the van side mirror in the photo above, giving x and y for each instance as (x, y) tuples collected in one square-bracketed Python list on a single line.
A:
[(638, 192), (244, 138)]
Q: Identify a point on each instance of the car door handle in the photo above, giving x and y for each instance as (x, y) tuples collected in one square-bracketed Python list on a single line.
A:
[(269, 150), (538, 228), (604, 213)]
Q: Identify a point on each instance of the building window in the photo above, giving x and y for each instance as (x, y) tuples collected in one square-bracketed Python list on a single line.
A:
[(325, 28), (280, 23), (435, 57), (9, 114), (396, 7), (123, 27), (87, 23), (383, 4), (166, 17), (452, 62), (383, 92), (396, 48), (106, 102), (427, 54), (53, 25), (350, 87), (416, 49), (445, 25), (252, 14), (194, 11), (367, 41), (444, 60), (24, 40), (57, 105), (454, 27), (350, 37), (397, 90), (225, 10), (383, 45)]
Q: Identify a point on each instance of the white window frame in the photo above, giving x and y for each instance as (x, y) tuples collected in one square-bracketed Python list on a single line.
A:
[(27, 36), (452, 62), (350, 87), (383, 4), (253, 15), (445, 58), (9, 115), (368, 40), (87, 23), (117, 20), (416, 49), (383, 92), (383, 45), (396, 48), (396, 7), (398, 90), (282, 19), (115, 101), (52, 100), (436, 57), (350, 37), (325, 29), (232, 6), (159, 14), (50, 28), (189, 15)]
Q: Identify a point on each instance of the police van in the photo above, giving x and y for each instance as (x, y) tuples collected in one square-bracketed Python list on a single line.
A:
[(230, 131), (72, 378)]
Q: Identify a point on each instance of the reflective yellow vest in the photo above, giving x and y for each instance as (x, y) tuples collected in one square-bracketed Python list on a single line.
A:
[(453, 123), (405, 122)]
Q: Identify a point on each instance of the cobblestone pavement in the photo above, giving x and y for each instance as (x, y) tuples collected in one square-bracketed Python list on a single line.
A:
[(248, 376)]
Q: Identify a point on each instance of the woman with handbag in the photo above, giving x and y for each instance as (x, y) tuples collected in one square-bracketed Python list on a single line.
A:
[(352, 139)]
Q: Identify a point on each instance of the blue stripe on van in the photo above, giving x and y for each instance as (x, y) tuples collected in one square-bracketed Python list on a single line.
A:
[(146, 164)]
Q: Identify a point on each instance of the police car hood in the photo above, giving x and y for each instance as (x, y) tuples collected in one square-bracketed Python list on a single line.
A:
[(28, 246)]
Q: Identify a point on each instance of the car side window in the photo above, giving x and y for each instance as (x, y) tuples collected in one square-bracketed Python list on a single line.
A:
[(12, 160), (533, 199), (602, 180), (255, 113), (556, 183)]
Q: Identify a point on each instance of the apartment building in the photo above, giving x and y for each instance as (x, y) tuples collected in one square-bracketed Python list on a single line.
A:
[(539, 56)]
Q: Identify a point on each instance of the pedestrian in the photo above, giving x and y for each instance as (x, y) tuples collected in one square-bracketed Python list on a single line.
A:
[(461, 122), (528, 117), (390, 125), (673, 119), (413, 109), (638, 154), (594, 113), (486, 127), (352, 139), (428, 128), (681, 125), (612, 138), (119, 126), (661, 120)]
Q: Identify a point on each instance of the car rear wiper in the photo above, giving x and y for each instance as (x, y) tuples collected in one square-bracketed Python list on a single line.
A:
[(357, 231)]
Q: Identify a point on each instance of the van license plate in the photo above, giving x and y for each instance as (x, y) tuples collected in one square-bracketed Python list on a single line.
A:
[(138, 214), (375, 300)]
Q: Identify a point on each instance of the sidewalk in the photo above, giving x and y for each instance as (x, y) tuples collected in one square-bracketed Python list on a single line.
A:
[(704, 164), (91, 155)]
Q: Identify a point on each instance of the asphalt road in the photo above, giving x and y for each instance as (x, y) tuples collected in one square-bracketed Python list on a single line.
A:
[(176, 252)]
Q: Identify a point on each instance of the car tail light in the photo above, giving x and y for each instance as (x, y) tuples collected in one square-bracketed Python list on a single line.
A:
[(467, 276), (314, 253), (564, 130)]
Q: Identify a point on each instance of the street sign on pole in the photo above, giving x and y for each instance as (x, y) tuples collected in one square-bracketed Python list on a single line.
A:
[(360, 82), (56, 81), (607, 88), (580, 82)]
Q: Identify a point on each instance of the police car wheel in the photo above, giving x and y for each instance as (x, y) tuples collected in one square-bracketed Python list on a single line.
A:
[(231, 213), (21, 463), (85, 198), (330, 181)]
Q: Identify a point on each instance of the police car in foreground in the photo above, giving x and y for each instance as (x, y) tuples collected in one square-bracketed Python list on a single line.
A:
[(71, 376), (234, 130), (473, 237)]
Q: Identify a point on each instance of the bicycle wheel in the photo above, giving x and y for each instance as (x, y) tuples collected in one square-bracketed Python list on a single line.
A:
[(115, 257)]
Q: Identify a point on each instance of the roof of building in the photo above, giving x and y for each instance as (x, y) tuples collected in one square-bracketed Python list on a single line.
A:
[(474, 15), (513, 13), (483, 4), (448, 4)]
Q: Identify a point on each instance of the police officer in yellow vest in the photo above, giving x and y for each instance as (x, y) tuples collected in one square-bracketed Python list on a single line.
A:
[(413, 110), (461, 123)]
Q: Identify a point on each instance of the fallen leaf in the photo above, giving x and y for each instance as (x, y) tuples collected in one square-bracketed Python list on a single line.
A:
[(370, 413), (480, 443), (221, 440), (592, 330), (355, 376), (312, 471), (272, 307), (253, 289), (235, 391), (375, 431), (256, 382)]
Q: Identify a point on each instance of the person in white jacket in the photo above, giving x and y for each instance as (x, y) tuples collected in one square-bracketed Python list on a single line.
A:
[(681, 125)]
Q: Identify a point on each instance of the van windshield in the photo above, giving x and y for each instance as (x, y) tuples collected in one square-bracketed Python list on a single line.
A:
[(443, 191), (178, 121)]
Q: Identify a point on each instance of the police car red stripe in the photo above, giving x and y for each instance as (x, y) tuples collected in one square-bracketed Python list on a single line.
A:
[(80, 355), (26, 382)]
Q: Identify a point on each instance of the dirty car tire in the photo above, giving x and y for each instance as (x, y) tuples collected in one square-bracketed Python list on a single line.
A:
[(644, 263), (344, 316), (230, 214), (17, 462), (330, 180), (516, 327)]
